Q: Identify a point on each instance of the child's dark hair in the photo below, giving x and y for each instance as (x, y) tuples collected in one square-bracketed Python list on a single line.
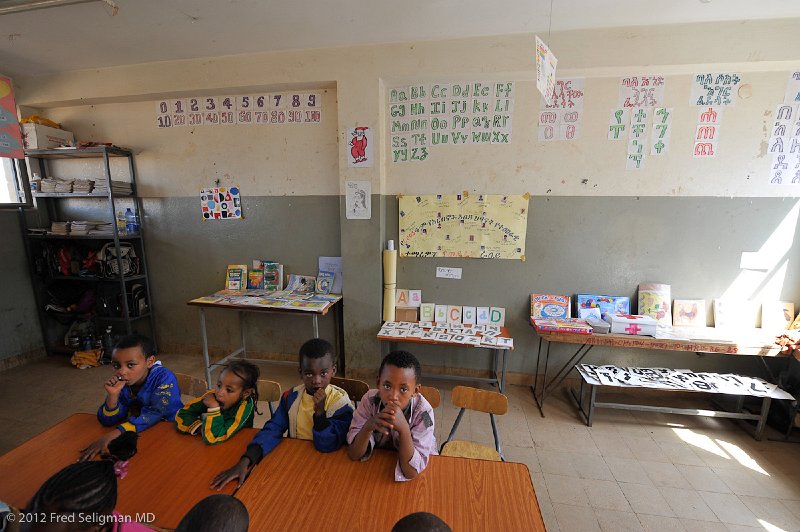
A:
[(137, 340), (216, 513), (316, 348), (402, 359), (249, 373), (421, 521), (83, 487)]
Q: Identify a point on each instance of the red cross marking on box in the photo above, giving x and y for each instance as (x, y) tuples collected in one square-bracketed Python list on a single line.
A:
[(633, 328)]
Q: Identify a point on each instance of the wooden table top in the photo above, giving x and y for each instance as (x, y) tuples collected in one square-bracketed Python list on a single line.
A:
[(742, 344), (169, 474), (297, 488), (229, 301)]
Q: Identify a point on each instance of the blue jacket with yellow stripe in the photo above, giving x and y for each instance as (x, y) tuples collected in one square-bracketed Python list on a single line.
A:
[(158, 399)]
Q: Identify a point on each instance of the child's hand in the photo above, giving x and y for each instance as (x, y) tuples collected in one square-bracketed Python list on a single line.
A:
[(319, 402), (398, 419), (381, 422), (114, 386), (238, 471), (100, 445), (210, 401)]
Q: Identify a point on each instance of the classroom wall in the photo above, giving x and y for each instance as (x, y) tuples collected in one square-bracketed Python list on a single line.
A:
[(20, 337), (593, 225)]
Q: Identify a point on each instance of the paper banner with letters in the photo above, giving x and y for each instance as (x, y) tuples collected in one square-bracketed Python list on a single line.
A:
[(463, 225)]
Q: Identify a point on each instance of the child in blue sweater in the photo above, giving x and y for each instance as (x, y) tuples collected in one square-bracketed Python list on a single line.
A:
[(139, 394), (315, 410)]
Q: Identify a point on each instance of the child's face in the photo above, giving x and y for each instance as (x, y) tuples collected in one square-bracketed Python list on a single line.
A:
[(397, 384), (130, 365), (230, 390), (317, 372)]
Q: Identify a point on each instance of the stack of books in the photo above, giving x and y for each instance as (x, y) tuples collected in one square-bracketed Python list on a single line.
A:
[(56, 185), (119, 188), (82, 186), (60, 228), (83, 227)]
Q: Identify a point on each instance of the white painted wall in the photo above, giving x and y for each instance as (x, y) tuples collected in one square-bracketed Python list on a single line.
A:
[(176, 162)]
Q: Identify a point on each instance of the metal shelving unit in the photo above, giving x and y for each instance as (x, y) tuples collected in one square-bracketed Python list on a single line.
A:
[(48, 210)]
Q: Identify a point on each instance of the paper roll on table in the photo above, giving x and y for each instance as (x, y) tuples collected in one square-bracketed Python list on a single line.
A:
[(389, 283)]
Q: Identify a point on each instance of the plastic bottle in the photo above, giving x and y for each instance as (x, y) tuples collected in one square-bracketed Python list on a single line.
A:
[(131, 222), (121, 223), (107, 343)]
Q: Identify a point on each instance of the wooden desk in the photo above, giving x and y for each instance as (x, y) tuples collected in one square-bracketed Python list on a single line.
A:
[(233, 302), (297, 488), (169, 474), (498, 352)]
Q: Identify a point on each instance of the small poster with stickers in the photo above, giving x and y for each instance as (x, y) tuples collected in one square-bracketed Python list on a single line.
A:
[(220, 203)]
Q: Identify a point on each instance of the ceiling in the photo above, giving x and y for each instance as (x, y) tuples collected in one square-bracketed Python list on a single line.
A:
[(84, 36)]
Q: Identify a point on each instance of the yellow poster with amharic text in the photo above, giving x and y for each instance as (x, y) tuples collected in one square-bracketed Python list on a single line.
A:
[(486, 226)]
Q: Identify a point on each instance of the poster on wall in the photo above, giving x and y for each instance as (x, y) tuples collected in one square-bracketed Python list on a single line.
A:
[(561, 119), (424, 116), (641, 91), (661, 131), (545, 70), (275, 108), (793, 88), (359, 147), (220, 203), (715, 90), (358, 200), (10, 135), (706, 134), (784, 145), (486, 226)]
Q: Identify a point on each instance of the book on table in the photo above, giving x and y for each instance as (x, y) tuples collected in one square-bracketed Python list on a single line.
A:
[(236, 277)]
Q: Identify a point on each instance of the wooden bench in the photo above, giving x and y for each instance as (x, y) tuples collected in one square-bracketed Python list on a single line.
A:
[(589, 385)]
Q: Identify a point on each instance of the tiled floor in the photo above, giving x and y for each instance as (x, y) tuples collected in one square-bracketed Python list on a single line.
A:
[(630, 471)]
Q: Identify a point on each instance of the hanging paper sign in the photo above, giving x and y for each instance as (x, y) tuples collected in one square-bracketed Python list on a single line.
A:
[(793, 88), (220, 203), (359, 147), (545, 70), (10, 136)]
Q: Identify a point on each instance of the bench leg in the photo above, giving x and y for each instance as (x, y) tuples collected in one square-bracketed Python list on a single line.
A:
[(762, 421)]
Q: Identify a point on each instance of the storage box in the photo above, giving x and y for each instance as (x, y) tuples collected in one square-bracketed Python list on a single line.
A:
[(39, 137), (606, 304), (632, 324)]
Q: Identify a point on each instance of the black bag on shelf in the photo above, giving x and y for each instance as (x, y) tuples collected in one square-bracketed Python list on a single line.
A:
[(109, 266), (109, 300), (137, 300)]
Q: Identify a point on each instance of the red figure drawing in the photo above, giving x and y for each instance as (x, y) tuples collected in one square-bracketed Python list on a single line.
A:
[(359, 145)]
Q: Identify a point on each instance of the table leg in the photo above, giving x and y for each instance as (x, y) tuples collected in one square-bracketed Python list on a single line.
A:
[(762, 421), (592, 398), (205, 344), (506, 352), (241, 333), (315, 318)]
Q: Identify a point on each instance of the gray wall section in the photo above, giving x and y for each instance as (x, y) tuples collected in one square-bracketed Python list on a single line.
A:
[(607, 245), (19, 321)]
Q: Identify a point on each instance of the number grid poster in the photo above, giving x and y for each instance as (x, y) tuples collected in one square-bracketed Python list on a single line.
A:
[(463, 225)]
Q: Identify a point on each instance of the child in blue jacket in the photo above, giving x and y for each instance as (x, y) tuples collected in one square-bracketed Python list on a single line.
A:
[(139, 394), (315, 410)]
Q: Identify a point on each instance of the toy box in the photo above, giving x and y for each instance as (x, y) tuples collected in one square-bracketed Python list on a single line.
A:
[(606, 304), (39, 137)]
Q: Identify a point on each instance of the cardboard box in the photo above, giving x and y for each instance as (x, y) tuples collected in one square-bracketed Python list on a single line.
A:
[(632, 324), (39, 137)]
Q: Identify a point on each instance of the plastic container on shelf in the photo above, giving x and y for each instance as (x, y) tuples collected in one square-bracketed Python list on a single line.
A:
[(131, 222), (121, 222)]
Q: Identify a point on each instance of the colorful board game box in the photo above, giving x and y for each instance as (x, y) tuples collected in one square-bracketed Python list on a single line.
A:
[(606, 304), (549, 306)]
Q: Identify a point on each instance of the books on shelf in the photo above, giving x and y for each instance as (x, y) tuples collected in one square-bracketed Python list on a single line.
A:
[(325, 282), (303, 284), (565, 325), (236, 277), (549, 306), (273, 273), (255, 279)]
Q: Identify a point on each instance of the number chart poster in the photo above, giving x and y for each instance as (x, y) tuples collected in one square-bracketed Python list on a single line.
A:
[(220, 203), (463, 225), (422, 117), (272, 108)]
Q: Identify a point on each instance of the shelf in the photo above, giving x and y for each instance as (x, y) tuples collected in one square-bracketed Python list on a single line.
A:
[(114, 318), (78, 195), (94, 278), (78, 153), (83, 237)]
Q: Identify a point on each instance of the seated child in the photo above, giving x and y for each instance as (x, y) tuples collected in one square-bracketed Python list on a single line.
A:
[(421, 522), (315, 410), (85, 495), (220, 413), (395, 416), (216, 513), (141, 392)]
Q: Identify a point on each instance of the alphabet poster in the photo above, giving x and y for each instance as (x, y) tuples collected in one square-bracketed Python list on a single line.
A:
[(220, 203), (793, 88), (641, 91), (784, 145), (561, 119), (706, 133), (716, 90), (462, 225), (422, 117)]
